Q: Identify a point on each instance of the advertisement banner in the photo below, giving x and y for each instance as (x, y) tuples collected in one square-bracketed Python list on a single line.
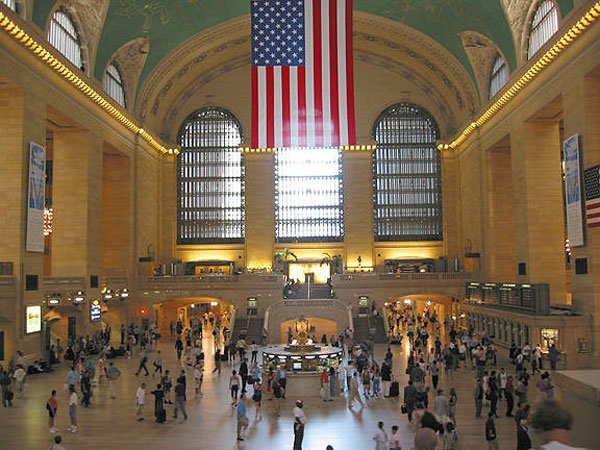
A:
[(36, 198), (95, 310), (573, 191), (33, 319)]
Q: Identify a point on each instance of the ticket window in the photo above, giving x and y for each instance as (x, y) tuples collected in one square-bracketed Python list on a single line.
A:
[(549, 337)]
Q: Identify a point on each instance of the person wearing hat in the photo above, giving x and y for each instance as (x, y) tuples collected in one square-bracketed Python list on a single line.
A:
[(299, 423)]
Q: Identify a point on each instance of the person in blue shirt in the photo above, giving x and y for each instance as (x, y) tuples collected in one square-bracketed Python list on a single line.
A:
[(242, 420)]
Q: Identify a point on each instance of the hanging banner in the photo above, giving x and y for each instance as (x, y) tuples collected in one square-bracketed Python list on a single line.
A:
[(573, 191), (36, 199), (95, 310)]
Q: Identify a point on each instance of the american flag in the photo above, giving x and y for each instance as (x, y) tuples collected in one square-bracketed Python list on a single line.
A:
[(302, 73), (592, 196)]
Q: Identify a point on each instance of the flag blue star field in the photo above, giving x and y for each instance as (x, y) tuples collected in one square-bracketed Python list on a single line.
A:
[(591, 181), (302, 73)]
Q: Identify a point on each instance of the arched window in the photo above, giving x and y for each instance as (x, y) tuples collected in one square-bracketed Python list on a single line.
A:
[(63, 35), (210, 171), (113, 84), (499, 75), (407, 184), (543, 26), (10, 3), (309, 203)]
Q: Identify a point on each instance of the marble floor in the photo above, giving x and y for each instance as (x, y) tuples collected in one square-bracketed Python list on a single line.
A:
[(110, 424)]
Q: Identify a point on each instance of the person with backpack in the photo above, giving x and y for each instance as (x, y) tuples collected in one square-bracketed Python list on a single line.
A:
[(490, 432)]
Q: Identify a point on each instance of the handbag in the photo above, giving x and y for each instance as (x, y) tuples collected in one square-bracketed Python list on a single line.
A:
[(250, 380)]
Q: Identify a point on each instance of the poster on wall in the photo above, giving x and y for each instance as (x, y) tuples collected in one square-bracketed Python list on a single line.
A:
[(33, 319), (573, 191), (36, 198)]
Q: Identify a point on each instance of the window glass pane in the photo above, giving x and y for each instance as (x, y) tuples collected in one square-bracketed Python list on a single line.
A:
[(407, 183), (210, 179), (10, 3), (543, 26), (63, 36), (113, 85), (308, 195), (499, 76)]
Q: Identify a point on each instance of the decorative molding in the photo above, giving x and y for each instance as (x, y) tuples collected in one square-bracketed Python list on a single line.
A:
[(552, 50), (481, 52), (130, 59)]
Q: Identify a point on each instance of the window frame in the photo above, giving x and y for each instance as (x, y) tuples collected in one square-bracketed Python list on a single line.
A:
[(117, 81), (224, 150), (338, 210), (381, 209), (496, 73), (75, 39), (553, 12)]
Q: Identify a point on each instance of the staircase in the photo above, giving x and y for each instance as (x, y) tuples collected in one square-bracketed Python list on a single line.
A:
[(318, 291), (362, 329), (250, 328)]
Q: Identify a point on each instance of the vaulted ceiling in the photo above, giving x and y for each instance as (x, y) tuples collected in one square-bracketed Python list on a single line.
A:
[(169, 23)]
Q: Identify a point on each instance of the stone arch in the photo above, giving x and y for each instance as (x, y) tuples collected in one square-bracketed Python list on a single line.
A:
[(182, 81), (130, 59), (482, 52)]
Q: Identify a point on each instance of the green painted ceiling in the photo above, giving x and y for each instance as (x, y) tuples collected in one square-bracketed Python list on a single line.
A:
[(168, 23)]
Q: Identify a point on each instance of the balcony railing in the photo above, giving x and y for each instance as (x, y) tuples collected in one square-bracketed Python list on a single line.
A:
[(409, 277), (189, 282)]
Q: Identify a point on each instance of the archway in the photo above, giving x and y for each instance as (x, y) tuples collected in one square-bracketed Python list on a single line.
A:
[(317, 327), (192, 312)]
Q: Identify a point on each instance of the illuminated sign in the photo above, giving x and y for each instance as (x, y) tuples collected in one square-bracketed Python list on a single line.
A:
[(95, 310), (33, 319)]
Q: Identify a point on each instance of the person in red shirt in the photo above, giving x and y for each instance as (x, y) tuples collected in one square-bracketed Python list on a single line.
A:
[(52, 406)]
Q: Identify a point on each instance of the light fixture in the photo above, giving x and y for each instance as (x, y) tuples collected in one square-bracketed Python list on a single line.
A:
[(79, 297), (124, 293), (48, 216), (214, 303), (53, 302), (107, 294)]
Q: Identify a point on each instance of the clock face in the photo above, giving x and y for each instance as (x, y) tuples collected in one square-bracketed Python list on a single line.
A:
[(302, 326)]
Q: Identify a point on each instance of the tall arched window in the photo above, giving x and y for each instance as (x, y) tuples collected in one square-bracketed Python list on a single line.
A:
[(543, 26), (10, 3), (407, 183), (113, 84), (309, 203), (499, 76), (210, 179), (63, 35)]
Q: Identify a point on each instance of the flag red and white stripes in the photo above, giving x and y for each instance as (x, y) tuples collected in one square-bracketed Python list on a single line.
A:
[(591, 179), (303, 80)]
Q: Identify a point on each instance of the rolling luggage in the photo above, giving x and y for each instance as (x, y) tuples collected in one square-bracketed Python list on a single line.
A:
[(394, 389)]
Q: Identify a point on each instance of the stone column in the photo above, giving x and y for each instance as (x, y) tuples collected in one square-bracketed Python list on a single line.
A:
[(260, 204), (538, 205), (358, 208), (22, 121), (77, 201), (582, 116)]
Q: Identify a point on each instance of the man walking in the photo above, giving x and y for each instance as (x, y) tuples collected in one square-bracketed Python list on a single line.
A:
[(72, 409), (299, 423), (242, 419), (478, 398), (143, 361), (410, 393), (52, 407), (490, 433), (180, 399)]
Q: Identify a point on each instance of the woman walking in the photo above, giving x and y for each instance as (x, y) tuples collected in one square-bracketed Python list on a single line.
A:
[(257, 397), (453, 401)]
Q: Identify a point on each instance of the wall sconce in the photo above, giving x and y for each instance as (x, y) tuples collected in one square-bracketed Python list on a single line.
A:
[(52, 302), (124, 293), (107, 294)]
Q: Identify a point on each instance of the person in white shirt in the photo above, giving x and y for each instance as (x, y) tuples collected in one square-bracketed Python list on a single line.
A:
[(380, 438), (140, 399), (73, 400), (395, 439), (299, 424), (503, 380), (19, 377)]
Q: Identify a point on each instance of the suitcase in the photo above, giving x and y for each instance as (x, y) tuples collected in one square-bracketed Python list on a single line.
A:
[(394, 389)]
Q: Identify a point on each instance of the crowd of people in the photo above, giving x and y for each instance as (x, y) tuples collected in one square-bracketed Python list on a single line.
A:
[(431, 409)]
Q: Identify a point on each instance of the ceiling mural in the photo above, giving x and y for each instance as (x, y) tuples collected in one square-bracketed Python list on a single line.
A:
[(169, 23)]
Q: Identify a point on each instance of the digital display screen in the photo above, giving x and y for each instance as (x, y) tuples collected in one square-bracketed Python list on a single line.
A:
[(297, 366), (33, 319)]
